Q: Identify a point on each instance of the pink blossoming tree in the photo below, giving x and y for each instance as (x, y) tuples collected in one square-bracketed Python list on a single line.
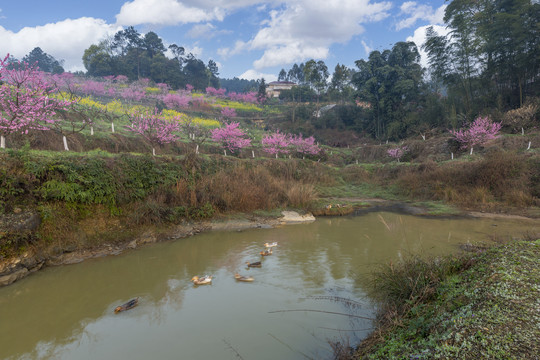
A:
[(275, 143), (228, 113), (478, 133), (231, 137), (397, 153), (25, 100), (176, 101), (304, 146), (215, 92), (154, 128)]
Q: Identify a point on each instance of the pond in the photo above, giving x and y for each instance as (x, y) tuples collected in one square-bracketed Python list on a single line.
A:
[(292, 309)]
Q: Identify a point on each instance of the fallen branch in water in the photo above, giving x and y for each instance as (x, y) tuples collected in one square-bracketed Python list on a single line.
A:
[(343, 300), (322, 311), (327, 328), (290, 348), (233, 349)]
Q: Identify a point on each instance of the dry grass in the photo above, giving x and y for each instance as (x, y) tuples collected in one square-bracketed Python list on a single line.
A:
[(500, 177)]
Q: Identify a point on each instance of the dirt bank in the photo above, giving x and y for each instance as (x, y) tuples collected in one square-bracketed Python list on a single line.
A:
[(32, 260)]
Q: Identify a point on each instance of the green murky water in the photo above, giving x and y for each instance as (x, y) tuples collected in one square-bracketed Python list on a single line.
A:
[(67, 312)]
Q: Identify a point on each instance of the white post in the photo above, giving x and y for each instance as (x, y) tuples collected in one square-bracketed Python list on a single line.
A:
[(386, 142), (65, 143), (253, 154), (112, 127), (452, 156), (91, 130), (197, 149), (2, 142), (471, 151), (357, 162), (276, 155), (225, 152), (529, 147), (153, 151), (522, 131)]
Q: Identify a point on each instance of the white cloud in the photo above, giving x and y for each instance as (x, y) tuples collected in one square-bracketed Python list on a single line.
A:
[(195, 50), (205, 31), (64, 40), (419, 38), (417, 12), (255, 75), (367, 48), (239, 46), (165, 12), (306, 29), (289, 53)]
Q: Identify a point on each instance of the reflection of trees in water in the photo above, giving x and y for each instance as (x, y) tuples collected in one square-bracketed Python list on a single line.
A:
[(60, 307)]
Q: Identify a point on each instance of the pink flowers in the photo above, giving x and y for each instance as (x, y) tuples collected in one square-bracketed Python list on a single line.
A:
[(215, 92), (304, 146), (275, 143), (232, 137), (154, 128), (24, 100), (397, 153), (479, 132), (176, 101), (132, 94), (228, 112), (279, 143)]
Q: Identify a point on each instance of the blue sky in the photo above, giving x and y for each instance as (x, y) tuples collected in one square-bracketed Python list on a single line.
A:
[(246, 38)]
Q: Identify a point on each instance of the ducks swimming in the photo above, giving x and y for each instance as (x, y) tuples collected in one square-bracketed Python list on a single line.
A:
[(266, 252), (243, 278), (129, 305), (201, 280)]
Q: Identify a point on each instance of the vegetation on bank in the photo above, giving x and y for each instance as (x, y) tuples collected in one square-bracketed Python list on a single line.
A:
[(95, 197), (478, 305)]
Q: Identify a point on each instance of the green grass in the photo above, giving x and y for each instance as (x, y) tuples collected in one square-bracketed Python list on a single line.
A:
[(437, 208), (485, 308), (363, 190)]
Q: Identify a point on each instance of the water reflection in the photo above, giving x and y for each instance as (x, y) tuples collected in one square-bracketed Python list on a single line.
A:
[(67, 312)]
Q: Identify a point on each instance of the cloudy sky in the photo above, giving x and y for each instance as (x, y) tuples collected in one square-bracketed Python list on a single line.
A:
[(247, 38)]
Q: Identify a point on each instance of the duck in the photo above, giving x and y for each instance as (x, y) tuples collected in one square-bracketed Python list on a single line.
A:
[(266, 252), (201, 280), (129, 305), (243, 278), (270, 245), (254, 264)]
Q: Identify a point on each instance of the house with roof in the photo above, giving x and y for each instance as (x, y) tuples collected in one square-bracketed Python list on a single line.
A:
[(275, 87)]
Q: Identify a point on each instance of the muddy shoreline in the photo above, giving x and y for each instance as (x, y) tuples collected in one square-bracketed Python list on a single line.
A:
[(14, 269), (17, 268)]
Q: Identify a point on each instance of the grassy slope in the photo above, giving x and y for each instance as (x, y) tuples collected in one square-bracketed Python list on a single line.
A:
[(489, 311)]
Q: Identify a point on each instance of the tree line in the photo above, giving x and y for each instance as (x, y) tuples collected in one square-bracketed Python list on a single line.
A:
[(136, 56), (488, 62)]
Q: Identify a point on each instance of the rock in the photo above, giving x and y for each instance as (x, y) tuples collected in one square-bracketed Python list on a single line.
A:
[(11, 278), (132, 244), (294, 217)]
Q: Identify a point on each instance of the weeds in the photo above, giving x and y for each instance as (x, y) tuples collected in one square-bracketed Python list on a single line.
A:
[(482, 305)]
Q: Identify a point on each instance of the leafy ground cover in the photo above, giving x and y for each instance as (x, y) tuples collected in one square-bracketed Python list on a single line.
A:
[(482, 305)]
